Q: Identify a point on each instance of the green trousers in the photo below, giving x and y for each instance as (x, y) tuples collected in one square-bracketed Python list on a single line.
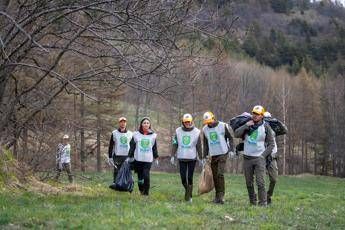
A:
[(255, 166)]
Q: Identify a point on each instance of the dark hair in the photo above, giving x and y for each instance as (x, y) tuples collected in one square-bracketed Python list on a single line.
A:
[(141, 123)]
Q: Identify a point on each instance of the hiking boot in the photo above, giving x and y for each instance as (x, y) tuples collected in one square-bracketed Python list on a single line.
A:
[(189, 192), (269, 200), (219, 199)]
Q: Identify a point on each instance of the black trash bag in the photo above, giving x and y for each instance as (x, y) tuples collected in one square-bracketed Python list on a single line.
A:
[(240, 120), (277, 126), (240, 147), (124, 180)]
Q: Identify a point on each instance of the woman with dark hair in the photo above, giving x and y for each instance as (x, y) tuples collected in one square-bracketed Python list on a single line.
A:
[(143, 147)]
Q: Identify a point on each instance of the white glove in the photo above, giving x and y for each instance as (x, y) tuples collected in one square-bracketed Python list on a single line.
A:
[(203, 162), (156, 161), (231, 154), (129, 159), (172, 160), (111, 161)]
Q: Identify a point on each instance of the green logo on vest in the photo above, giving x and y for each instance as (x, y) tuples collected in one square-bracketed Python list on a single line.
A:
[(123, 140), (213, 136), (254, 135), (144, 143), (186, 140)]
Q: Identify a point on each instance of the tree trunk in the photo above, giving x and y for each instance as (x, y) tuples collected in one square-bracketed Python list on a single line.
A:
[(82, 137), (75, 141), (99, 165)]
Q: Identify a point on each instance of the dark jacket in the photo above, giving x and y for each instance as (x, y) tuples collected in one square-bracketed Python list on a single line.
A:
[(175, 144), (227, 136), (132, 145), (112, 143), (269, 139)]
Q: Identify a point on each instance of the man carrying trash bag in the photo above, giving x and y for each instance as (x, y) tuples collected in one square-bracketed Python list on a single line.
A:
[(218, 143), (119, 147), (258, 144)]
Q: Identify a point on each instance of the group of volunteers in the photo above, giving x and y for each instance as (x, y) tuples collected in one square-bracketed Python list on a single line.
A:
[(213, 143)]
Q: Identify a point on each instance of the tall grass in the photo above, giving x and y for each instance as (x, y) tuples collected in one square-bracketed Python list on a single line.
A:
[(299, 203)]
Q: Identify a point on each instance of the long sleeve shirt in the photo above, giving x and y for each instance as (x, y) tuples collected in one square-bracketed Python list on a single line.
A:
[(227, 136)]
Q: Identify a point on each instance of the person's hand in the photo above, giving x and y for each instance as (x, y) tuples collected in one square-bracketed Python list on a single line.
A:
[(203, 162), (129, 159), (231, 154), (172, 160), (250, 123), (111, 161)]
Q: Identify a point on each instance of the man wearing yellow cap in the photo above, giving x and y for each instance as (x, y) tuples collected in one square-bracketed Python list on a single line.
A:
[(258, 144), (218, 143), (119, 146)]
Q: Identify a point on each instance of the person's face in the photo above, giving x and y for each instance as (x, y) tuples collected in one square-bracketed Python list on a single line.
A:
[(122, 124), (65, 140), (257, 117), (146, 125), (187, 124)]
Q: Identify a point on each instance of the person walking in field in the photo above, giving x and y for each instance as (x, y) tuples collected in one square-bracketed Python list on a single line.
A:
[(63, 158), (272, 165), (186, 146), (258, 145), (119, 146), (143, 147), (218, 143)]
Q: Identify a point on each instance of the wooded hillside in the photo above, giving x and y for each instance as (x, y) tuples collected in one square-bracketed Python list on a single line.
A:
[(75, 66)]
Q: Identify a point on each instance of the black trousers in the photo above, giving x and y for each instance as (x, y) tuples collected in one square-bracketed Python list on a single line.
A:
[(118, 161), (187, 172), (143, 170)]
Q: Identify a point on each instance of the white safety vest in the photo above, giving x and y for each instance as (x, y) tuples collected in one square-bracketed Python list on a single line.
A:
[(143, 146), (216, 140), (121, 141), (275, 148), (254, 145), (64, 153), (186, 143)]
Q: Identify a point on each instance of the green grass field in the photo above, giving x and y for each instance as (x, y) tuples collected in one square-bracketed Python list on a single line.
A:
[(308, 202)]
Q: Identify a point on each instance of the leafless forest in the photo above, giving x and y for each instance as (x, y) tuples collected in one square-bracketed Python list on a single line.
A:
[(75, 66)]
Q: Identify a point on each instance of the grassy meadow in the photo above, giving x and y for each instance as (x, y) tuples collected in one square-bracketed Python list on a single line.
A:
[(301, 202)]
